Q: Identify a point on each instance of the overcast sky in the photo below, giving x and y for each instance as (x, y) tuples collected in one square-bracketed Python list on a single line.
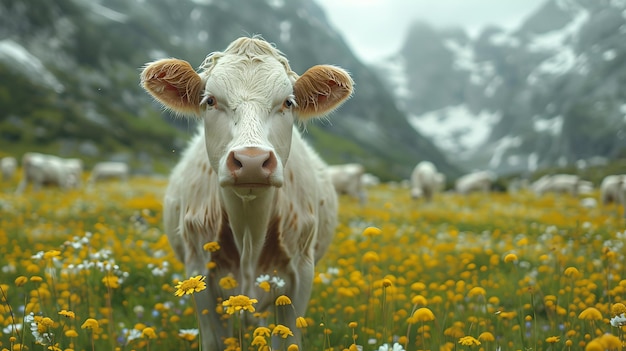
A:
[(376, 28)]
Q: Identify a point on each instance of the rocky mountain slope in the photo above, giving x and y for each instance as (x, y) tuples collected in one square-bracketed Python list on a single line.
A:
[(550, 93), (69, 79)]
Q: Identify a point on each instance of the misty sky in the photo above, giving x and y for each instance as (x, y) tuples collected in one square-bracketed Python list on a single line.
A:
[(376, 28)]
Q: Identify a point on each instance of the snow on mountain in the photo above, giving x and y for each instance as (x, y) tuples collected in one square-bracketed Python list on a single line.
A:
[(27, 64)]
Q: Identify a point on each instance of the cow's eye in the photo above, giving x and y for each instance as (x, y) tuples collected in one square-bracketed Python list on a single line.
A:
[(209, 100), (288, 103)]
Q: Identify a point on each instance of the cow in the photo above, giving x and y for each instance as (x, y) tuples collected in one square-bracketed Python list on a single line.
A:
[(109, 170), (611, 189), (42, 169), (75, 168), (556, 183), (248, 181), (8, 165), (347, 180), (425, 181), (475, 181)]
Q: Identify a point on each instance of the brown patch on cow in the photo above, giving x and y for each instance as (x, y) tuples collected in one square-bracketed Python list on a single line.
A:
[(311, 210), (228, 255), (321, 202), (291, 176), (273, 255)]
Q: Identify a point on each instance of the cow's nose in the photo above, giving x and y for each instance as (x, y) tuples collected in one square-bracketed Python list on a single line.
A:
[(251, 166)]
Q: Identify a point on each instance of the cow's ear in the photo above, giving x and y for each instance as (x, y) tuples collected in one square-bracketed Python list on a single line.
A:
[(321, 89), (175, 84)]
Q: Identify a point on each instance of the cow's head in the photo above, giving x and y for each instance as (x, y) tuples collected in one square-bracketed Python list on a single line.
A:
[(249, 98)]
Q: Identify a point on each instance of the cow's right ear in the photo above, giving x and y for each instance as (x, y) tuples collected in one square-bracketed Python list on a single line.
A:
[(175, 84)]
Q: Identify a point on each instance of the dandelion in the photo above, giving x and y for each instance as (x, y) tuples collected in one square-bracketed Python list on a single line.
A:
[(188, 334), (71, 333), (423, 314), (371, 231), (90, 323), (486, 336), (370, 257), (67, 314), (265, 286), (553, 339), (20, 281), (293, 347), (301, 323), (590, 313), (469, 341), (283, 300), (282, 331), (111, 281), (476, 291), (259, 341), (264, 331), (36, 279), (239, 303), (148, 333), (211, 246), (510, 258), (190, 286), (228, 282), (618, 309), (571, 272)]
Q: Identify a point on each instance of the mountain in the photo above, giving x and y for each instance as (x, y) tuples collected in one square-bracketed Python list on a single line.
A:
[(69, 71), (550, 93)]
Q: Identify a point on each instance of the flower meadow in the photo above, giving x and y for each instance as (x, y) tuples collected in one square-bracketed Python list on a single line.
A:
[(91, 269)]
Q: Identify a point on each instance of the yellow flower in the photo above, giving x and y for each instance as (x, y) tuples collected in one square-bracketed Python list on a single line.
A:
[(510, 258), (386, 283), (571, 272), (211, 246), (71, 333), (21, 280), (476, 291), (190, 286), (264, 331), (371, 231), (228, 283), (552, 339), (265, 286), (301, 323), (90, 323), (469, 341), (293, 347), (211, 265), (259, 340), (618, 308), (590, 313), (188, 334), (282, 331), (370, 257), (50, 254), (352, 325), (423, 314), (486, 336), (594, 345), (111, 281), (36, 279), (239, 303), (148, 333), (68, 314), (419, 300), (282, 300)]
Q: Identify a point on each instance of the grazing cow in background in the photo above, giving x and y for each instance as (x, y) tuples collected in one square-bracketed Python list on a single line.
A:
[(612, 189), (41, 169), (475, 181), (347, 179), (8, 165), (368, 180), (75, 168), (109, 170), (424, 181), (248, 180), (556, 183)]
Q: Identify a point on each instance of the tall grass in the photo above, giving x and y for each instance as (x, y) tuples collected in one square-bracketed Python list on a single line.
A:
[(92, 270)]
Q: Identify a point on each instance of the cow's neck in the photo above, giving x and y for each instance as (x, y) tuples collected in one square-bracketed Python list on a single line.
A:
[(249, 216)]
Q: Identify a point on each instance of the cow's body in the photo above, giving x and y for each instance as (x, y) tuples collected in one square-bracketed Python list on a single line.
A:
[(425, 181), (556, 183), (347, 180), (8, 165), (41, 169), (612, 189), (248, 180), (476, 181), (109, 170)]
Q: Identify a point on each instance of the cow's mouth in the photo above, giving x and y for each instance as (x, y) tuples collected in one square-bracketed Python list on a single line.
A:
[(252, 185)]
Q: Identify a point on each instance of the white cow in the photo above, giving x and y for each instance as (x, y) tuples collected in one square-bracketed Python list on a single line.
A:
[(75, 168), (347, 179), (475, 181), (8, 165), (612, 189), (556, 183), (425, 180), (262, 193), (41, 169), (109, 170)]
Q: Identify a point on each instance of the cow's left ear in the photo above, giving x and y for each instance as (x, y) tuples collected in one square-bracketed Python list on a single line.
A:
[(175, 84), (321, 89)]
